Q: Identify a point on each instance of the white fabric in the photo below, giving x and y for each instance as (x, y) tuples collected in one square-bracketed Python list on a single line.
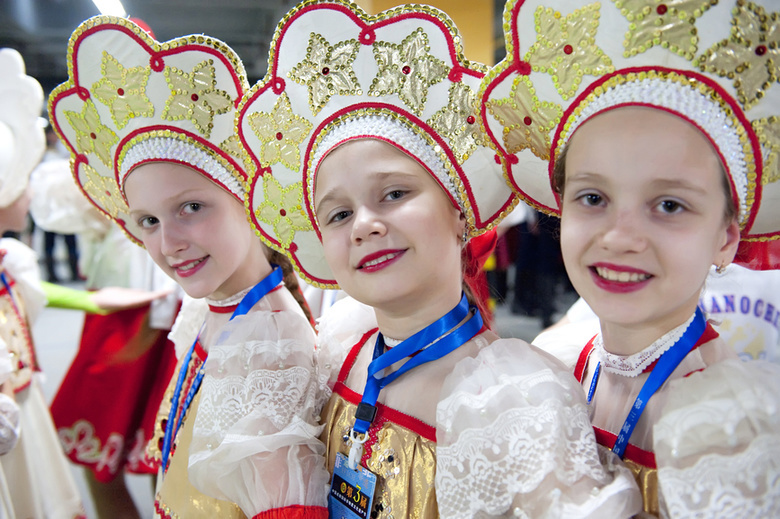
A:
[(188, 323), (38, 474), (513, 437), (21, 262), (717, 442), (256, 433), (56, 203), (9, 423)]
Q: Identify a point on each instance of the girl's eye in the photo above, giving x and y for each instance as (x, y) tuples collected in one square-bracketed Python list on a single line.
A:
[(338, 216), (670, 206), (591, 199), (147, 222), (395, 194), (192, 207)]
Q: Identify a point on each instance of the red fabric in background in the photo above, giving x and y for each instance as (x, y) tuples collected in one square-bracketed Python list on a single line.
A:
[(106, 406)]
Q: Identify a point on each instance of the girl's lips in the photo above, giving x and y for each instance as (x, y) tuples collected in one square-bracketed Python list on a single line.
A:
[(189, 268), (619, 279), (379, 260)]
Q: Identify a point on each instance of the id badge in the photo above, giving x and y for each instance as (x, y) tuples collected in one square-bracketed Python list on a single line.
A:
[(351, 491)]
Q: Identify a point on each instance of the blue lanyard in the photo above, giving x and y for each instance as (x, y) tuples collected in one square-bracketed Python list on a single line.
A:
[(431, 343), (7, 286), (172, 426), (661, 372)]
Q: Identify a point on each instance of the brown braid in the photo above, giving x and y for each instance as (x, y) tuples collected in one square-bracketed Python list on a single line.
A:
[(290, 279)]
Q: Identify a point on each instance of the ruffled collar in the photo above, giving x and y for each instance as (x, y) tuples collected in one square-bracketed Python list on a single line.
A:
[(636, 364), (228, 304)]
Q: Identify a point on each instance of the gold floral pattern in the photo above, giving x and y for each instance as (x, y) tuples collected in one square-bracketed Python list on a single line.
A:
[(407, 69), (281, 132), (327, 70), (751, 54), (283, 209), (92, 136), (768, 132), (565, 47), (527, 121), (123, 90), (232, 146), (105, 191), (668, 23), (457, 122), (194, 96)]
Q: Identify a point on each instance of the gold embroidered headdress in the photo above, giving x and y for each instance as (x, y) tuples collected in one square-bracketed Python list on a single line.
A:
[(335, 74), (22, 140), (714, 64), (132, 100)]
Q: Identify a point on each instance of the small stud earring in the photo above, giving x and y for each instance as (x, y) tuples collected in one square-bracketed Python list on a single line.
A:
[(465, 237), (720, 269)]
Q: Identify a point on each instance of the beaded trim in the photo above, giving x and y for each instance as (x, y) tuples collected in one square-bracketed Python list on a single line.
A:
[(390, 130), (634, 365), (680, 95), (177, 150), (230, 301)]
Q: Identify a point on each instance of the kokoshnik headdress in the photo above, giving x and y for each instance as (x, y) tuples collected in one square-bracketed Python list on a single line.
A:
[(130, 100), (22, 140), (714, 64), (336, 74)]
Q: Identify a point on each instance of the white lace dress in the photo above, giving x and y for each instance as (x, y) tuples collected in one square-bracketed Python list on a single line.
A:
[(255, 434), (708, 442), (512, 436)]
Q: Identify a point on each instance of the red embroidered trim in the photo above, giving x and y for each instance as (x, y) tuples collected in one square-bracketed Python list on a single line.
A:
[(294, 512), (582, 361)]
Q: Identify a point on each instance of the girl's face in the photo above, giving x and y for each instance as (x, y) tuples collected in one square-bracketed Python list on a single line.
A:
[(194, 230), (391, 235), (642, 217)]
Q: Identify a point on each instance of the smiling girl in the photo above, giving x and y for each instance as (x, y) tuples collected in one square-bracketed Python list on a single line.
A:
[(660, 164), (150, 128), (375, 178)]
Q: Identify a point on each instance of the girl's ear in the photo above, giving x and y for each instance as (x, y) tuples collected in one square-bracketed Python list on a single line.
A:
[(730, 245)]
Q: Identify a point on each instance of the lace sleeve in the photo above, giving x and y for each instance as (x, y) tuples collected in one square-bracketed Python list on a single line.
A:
[(717, 443), (513, 437), (255, 438)]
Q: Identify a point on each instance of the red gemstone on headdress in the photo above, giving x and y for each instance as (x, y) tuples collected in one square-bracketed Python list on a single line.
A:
[(406, 69), (120, 91), (527, 120), (568, 49), (760, 50), (92, 135), (661, 9), (279, 136), (325, 71), (282, 212), (470, 119), (108, 193), (194, 97)]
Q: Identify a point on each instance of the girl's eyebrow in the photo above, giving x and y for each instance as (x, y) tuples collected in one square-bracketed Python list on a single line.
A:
[(679, 183)]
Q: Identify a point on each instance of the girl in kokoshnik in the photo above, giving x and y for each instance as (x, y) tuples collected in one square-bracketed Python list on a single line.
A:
[(150, 127), (660, 156), (373, 179), (35, 477)]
